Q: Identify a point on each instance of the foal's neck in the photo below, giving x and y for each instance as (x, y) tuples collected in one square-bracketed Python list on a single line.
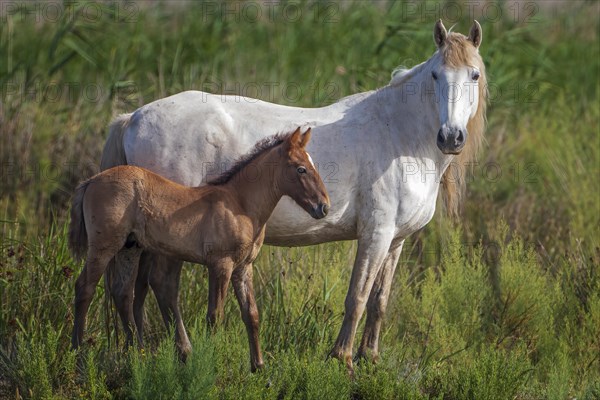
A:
[(257, 186)]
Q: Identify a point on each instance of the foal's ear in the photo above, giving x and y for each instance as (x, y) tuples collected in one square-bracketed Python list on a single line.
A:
[(476, 34), (305, 138), (439, 33), (296, 138)]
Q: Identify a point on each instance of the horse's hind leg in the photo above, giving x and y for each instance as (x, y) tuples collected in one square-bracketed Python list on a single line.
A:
[(126, 262), (164, 280), (377, 303), (244, 291), (85, 286), (142, 285)]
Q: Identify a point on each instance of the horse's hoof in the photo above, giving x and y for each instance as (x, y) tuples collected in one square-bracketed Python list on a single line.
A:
[(345, 358), (366, 355)]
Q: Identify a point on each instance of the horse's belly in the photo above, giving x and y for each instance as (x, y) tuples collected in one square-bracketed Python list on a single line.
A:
[(290, 225)]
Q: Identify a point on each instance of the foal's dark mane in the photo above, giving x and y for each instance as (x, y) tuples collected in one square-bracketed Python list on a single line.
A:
[(260, 147)]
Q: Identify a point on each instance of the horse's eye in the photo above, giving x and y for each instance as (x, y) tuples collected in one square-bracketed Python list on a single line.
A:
[(475, 75), (434, 75), (301, 170)]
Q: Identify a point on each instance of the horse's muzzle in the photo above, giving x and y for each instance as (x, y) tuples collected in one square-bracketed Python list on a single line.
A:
[(451, 140), (320, 211)]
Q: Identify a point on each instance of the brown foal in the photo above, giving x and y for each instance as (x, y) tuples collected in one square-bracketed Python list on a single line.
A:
[(126, 209)]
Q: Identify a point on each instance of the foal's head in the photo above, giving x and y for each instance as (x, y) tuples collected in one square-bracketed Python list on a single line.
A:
[(301, 181)]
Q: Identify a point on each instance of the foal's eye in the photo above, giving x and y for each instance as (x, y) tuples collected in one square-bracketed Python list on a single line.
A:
[(301, 170), (434, 75), (475, 75)]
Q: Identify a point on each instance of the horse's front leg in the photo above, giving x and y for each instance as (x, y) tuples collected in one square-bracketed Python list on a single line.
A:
[(164, 276), (372, 249), (219, 275), (244, 291), (377, 303)]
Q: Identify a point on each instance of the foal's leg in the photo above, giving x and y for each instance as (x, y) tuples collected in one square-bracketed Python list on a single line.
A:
[(164, 280), (372, 249), (85, 286), (244, 291), (126, 262), (219, 275), (377, 304)]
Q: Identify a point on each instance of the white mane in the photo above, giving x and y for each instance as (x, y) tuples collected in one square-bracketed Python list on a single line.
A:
[(400, 74)]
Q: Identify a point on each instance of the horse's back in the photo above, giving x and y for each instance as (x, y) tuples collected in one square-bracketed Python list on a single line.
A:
[(192, 134)]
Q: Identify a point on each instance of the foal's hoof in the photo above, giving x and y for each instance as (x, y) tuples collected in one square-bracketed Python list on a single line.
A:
[(182, 357), (257, 367), (184, 352)]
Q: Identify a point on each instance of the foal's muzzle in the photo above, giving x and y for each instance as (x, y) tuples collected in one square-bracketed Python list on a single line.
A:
[(451, 140), (320, 211)]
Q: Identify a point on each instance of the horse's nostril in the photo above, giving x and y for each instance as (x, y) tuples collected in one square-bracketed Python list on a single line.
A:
[(460, 138), (324, 209), (440, 137)]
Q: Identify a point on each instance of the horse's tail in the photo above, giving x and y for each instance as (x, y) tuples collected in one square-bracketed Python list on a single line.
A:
[(114, 152), (113, 155), (78, 240)]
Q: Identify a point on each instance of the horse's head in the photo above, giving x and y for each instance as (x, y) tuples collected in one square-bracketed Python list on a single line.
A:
[(301, 181), (456, 72)]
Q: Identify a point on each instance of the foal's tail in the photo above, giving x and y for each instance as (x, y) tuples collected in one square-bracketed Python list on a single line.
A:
[(78, 240), (114, 152), (112, 156)]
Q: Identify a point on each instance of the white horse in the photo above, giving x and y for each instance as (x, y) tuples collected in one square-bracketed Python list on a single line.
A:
[(387, 152)]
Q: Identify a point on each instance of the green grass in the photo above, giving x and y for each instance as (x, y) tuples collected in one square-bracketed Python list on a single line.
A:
[(503, 304), (448, 335)]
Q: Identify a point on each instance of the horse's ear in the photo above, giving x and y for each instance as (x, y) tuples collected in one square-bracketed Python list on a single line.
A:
[(439, 33), (305, 138), (296, 138), (475, 35)]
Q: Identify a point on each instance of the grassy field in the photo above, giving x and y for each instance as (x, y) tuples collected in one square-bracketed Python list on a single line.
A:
[(502, 304)]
